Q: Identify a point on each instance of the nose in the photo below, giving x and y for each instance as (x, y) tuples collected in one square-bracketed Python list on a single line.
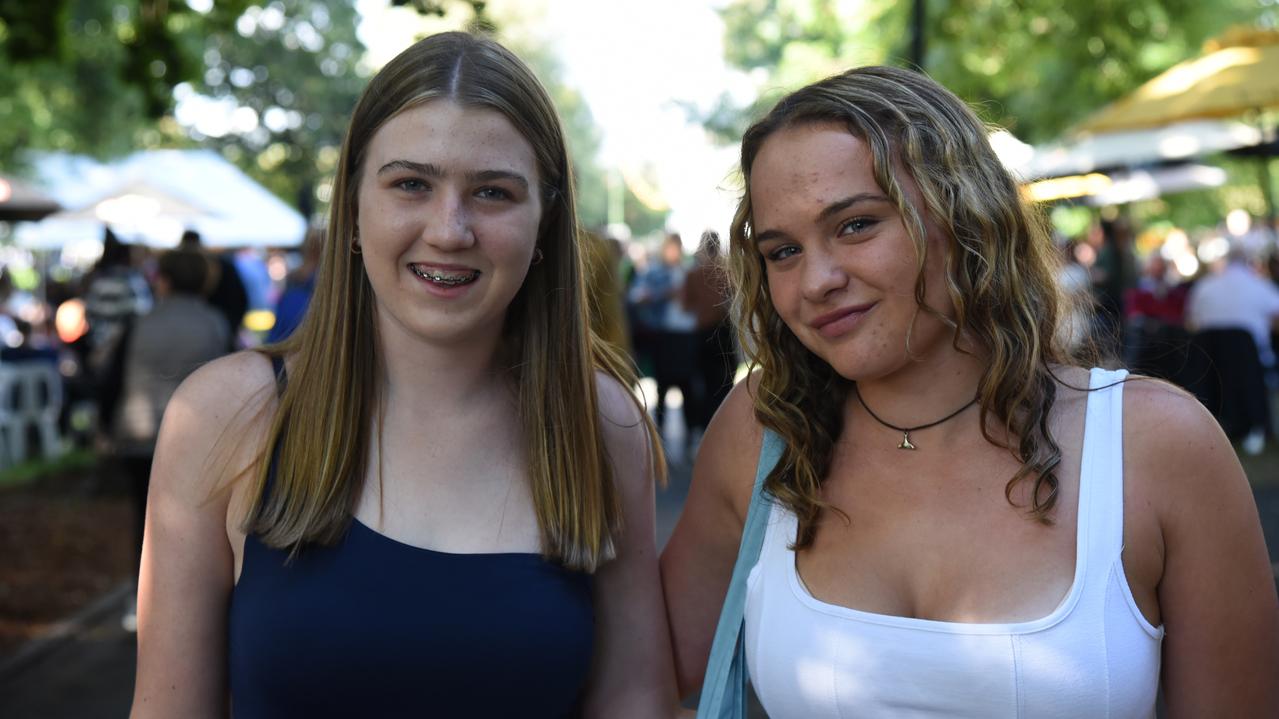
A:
[(821, 275), (448, 226)]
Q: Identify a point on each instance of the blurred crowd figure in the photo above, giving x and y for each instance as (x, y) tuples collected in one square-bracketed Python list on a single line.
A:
[(128, 331), (296, 297), (115, 294), (223, 285), (182, 332), (1155, 310), (1210, 333), (1234, 312), (680, 329), (707, 296)]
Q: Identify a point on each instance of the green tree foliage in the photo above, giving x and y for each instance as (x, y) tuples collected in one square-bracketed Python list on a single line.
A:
[(480, 19), (783, 44), (511, 25), (1038, 67), (1035, 66), (95, 76), (107, 77), (292, 69)]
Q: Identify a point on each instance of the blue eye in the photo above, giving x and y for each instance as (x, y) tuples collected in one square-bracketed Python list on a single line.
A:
[(780, 253), (493, 193), (857, 225), (411, 184)]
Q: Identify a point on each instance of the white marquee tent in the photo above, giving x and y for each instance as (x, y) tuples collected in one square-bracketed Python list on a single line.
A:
[(150, 197), (1112, 150)]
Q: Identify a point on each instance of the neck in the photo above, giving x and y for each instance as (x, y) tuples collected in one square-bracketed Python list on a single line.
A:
[(425, 381), (919, 394)]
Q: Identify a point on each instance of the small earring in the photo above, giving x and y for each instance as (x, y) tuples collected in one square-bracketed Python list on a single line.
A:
[(537, 256), (355, 246)]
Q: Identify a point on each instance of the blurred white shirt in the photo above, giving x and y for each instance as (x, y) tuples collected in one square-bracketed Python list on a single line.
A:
[(1238, 298)]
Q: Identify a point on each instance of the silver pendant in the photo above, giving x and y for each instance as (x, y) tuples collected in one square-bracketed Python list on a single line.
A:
[(905, 442)]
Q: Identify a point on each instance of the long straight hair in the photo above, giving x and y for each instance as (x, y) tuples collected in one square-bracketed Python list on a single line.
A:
[(321, 431), (1000, 276)]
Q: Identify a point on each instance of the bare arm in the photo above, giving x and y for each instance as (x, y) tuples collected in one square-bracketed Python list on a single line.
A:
[(187, 561), (697, 563), (631, 675), (1217, 593)]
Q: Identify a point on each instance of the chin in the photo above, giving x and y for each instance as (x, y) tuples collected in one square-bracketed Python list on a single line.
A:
[(856, 367)]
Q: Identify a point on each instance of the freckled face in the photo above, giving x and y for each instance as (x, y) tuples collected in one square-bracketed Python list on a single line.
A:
[(449, 211), (840, 264)]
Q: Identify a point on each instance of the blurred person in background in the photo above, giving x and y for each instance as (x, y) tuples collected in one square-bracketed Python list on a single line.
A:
[(1112, 276), (11, 335), (1235, 296), (656, 294), (707, 296), (179, 335), (436, 498), (1155, 311), (254, 275), (960, 517), (224, 287), (298, 286), (647, 293), (115, 294)]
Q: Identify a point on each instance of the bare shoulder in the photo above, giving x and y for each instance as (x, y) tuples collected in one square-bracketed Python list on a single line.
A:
[(228, 383), (1176, 444), (729, 452), (618, 404), (1169, 426), (215, 420), (626, 436)]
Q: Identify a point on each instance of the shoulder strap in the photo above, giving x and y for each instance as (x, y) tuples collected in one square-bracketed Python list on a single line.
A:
[(281, 374), (724, 687), (1101, 472), (281, 381)]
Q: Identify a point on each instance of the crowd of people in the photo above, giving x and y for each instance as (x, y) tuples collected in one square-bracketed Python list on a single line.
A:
[(1211, 331), (435, 495), (680, 328)]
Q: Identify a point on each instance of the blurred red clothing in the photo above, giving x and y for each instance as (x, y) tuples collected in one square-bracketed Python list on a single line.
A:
[(1157, 301)]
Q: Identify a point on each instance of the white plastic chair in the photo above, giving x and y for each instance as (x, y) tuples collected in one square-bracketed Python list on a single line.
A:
[(12, 431), (40, 404)]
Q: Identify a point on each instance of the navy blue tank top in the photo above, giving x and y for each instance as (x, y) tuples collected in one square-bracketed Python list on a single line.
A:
[(372, 627)]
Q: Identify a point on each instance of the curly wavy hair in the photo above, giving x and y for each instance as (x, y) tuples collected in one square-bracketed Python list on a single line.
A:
[(1000, 275)]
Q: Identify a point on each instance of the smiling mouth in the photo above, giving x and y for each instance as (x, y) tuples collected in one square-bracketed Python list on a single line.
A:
[(834, 324), (448, 278)]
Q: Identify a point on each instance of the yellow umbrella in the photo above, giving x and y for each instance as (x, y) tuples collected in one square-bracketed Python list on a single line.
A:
[(1237, 72)]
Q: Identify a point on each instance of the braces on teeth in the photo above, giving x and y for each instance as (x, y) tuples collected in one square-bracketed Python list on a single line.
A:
[(442, 279)]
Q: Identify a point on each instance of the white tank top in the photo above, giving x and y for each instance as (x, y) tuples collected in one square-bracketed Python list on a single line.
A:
[(1095, 655)]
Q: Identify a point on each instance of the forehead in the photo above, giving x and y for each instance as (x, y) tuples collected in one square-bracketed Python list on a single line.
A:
[(452, 136), (810, 164)]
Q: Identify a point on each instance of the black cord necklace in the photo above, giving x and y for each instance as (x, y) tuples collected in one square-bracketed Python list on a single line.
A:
[(906, 443)]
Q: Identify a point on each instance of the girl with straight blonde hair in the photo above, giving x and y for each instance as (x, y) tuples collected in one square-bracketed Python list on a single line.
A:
[(435, 498), (962, 520)]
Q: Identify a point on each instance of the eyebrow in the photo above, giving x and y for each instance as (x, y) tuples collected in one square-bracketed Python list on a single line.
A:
[(833, 208), (435, 171)]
